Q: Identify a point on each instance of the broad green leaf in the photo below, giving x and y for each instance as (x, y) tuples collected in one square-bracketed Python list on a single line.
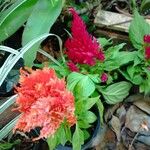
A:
[(90, 117), (111, 52), (125, 74), (68, 132), (87, 116), (138, 28), (131, 71), (61, 135), (116, 92), (85, 87), (52, 142), (118, 59), (79, 106), (111, 65), (42, 18), (14, 17), (78, 138), (95, 78), (83, 124), (125, 57), (83, 105), (138, 58), (72, 79), (137, 79), (86, 134), (133, 74)]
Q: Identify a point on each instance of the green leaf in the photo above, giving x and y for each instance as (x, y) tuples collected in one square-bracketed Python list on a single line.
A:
[(83, 124), (101, 110), (14, 17), (104, 42), (81, 84), (7, 145), (87, 116), (110, 65), (116, 92), (52, 142), (133, 74), (90, 117), (131, 71), (78, 138), (137, 79), (42, 18), (85, 87), (95, 78), (138, 28), (72, 79), (138, 58), (61, 135), (83, 105), (125, 57), (86, 134), (144, 87), (116, 58), (90, 102), (112, 51), (68, 132)]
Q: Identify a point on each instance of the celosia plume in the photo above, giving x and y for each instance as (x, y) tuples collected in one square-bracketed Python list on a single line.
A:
[(44, 102), (82, 48), (147, 53), (72, 67), (147, 46), (147, 39)]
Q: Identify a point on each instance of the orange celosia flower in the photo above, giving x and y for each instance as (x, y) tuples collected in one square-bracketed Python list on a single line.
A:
[(44, 102)]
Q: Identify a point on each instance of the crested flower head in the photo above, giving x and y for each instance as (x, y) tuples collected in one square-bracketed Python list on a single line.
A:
[(147, 46), (44, 102), (82, 48)]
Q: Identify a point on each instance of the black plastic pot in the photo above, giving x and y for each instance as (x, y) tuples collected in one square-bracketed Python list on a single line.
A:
[(92, 142)]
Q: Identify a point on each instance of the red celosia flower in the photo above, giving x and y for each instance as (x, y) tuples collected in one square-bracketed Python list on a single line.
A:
[(147, 53), (44, 102), (104, 77), (82, 48), (147, 38), (72, 67), (147, 46)]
